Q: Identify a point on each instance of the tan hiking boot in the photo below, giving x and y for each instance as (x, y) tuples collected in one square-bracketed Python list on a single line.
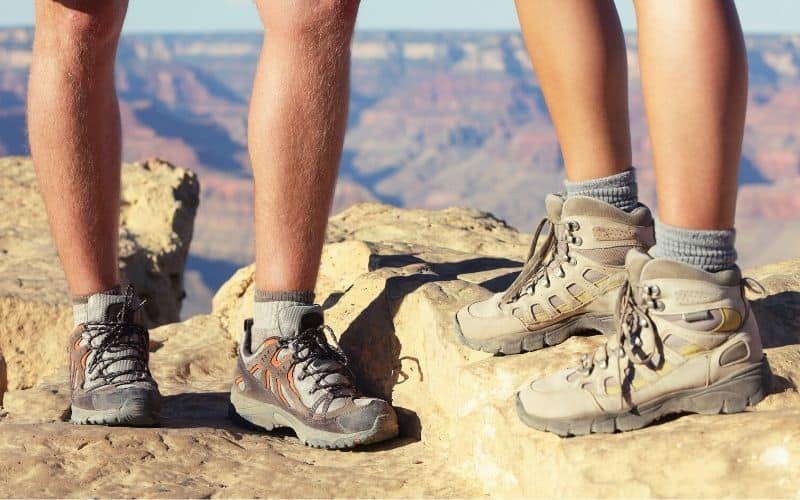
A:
[(686, 341), (567, 286)]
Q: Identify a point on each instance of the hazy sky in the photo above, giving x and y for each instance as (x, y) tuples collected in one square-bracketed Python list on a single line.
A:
[(772, 16)]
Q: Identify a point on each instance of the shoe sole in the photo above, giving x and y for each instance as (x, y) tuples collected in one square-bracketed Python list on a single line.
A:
[(732, 395), (528, 340), (268, 417), (134, 412)]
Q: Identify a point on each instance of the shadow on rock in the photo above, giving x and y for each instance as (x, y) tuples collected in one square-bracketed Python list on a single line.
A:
[(197, 409), (778, 318), (370, 341)]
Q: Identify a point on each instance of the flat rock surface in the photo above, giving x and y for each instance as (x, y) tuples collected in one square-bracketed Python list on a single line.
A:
[(391, 280)]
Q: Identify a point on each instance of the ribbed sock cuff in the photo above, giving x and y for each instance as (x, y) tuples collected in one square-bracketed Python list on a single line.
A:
[(619, 190), (711, 250), (84, 299), (268, 296)]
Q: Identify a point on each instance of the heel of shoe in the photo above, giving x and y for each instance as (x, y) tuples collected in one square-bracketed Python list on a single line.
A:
[(735, 394)]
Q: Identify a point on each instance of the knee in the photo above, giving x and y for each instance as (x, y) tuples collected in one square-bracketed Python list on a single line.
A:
[(86, 26), (310, 19)]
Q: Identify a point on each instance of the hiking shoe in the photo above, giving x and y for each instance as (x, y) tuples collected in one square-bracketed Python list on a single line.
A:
[(108, 354), (567, 286), (686, 341), (296, 379)]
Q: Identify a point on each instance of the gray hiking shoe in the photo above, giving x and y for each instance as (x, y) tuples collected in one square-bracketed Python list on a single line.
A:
[(109, 374), (295, 379), (567, 286), (686, 341)]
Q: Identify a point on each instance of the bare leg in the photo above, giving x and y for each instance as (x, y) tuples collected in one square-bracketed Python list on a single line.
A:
[(694, 74), (578, 51), (74, 129), (298, 115)]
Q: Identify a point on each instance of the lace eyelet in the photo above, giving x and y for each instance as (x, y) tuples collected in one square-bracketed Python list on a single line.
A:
[(621, 352), (573, 225), (560, 273), (643, 323), (577, 241), (654, 290), (637, 341), (573, 261), (660, 306)]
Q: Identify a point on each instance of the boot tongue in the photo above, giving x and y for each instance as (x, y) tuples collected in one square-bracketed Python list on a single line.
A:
[(295, 319), (554, 204), (103, 308), (635, 262)]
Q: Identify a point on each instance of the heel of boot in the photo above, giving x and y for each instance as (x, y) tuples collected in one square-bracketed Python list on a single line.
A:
[(734, 395)]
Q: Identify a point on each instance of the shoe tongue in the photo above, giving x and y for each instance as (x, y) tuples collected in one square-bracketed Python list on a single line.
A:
[(554, 204), (635, 261), (104, 308), (295, 319)]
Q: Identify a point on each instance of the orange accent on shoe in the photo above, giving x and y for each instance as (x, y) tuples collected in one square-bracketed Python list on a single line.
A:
[(84, 359), (290, 376), (253, 369), (275, 361)]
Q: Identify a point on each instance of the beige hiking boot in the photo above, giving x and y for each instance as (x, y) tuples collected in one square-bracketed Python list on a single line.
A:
[(569, 285), (686, 341)]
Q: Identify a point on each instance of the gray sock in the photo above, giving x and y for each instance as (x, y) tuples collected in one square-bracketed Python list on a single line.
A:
[(619, 190), (92, 308), (707, 249), (267, 307)]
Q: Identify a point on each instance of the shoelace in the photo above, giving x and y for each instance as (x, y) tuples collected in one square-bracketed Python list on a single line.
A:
[(551, 256), (120, 340), (636, 340), (311, 345)]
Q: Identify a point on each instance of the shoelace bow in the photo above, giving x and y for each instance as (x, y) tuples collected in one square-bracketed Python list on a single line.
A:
[(121, 340), (312, 345), (538, 263)]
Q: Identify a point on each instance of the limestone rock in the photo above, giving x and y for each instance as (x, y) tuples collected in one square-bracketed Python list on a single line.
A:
[(391, 280), (159, 202)]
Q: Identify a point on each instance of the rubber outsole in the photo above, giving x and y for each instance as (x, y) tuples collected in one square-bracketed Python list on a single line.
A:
[(529, 341), (266, 417), (732, 395), (134, 412)]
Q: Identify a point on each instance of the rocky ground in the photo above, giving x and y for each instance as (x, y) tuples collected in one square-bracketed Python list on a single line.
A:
[(391, 280)]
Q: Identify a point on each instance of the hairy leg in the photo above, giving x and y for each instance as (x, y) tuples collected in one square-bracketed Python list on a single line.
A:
[(578, 51), (694, 76), (74, 129), (298, 115)]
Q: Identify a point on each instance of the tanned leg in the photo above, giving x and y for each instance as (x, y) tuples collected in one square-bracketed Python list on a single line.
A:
[(694, 75), (298, 115), (74, 128), (578, 51)]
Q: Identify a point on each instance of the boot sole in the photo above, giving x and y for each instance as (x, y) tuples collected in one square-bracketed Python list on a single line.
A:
[(528, 340), (264, 416), (134, 412), (731, 395)]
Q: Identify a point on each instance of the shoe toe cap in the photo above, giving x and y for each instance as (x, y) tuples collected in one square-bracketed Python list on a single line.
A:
[(369, 414), (485, 318), (554, 397)]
